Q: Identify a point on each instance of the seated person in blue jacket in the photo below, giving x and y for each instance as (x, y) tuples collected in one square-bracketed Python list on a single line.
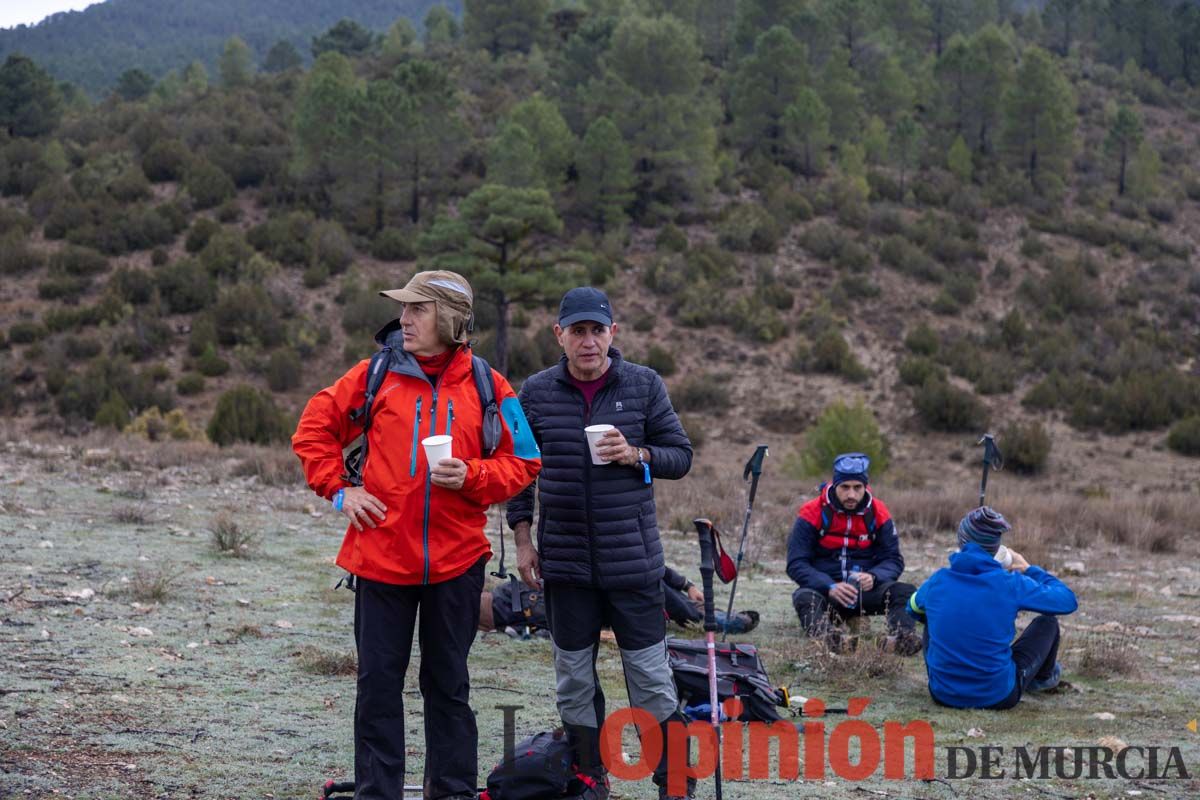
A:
[(970, 613), (845, 555)]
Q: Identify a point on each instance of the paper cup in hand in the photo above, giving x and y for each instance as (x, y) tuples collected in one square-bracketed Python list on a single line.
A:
[(594, 432), (436, 448), (1004, 556)]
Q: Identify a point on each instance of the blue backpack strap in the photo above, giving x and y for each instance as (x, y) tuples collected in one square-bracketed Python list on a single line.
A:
[(826, 521), (486, 387), (376, 372)]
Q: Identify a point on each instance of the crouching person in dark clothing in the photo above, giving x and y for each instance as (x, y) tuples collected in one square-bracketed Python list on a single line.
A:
[(844, 553), (598, 550), (970, 612)]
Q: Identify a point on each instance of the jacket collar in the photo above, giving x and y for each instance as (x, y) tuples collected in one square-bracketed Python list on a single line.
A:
[(403, 362), (614, 368), (973, 560)]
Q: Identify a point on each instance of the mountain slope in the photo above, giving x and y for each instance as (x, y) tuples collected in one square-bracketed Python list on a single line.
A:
[(91, 48)]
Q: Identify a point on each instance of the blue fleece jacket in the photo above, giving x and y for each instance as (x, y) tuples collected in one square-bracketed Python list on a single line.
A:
[(970, 610)]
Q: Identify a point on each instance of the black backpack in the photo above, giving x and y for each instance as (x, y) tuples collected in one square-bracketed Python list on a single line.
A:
[(740, 673), (510, 601), (377, 371), (542, 767)]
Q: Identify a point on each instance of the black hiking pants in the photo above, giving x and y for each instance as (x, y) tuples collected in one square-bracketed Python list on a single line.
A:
[(818, 613), (444, 617)]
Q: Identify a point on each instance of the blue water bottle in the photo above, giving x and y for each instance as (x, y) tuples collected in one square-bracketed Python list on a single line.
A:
[(857, 586)]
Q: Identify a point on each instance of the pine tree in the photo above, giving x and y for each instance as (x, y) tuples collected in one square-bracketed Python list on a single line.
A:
[(842, 97), (1124, 136), (553, 142), (907, 141), (134, 85), (195, 78), (496, 241), (30, 103), (282, 57), (504, 26), (876, 141), (958, 160), (512, 158), (348, 38), (1144, 172), (441, 27), (324, 123), (989, 75), (606, 178), (1040, 118), (236, 65), (765, 84), (806, 123)]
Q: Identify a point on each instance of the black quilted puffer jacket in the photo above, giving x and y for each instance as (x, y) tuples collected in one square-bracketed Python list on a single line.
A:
[(596, 523)]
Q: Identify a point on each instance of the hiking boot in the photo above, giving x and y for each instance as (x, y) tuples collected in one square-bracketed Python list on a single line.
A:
[(1049, 683), (905, 643), (742, 622), (691, 792)]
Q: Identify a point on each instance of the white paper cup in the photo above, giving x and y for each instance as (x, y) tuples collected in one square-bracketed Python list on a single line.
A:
[(436, 448), (594, 432), (1004, 556)]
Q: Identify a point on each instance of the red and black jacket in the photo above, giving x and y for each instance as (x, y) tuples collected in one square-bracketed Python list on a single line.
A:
[(827, 542)]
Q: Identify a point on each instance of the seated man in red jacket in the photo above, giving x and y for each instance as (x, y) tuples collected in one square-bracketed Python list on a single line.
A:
[(845, 555)]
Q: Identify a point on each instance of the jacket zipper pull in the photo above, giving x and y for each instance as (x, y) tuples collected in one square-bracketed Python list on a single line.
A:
[(412, 458), (449, 416)]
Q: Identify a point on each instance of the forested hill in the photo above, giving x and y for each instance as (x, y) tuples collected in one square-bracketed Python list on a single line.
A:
[(963, 213), (93, 47)]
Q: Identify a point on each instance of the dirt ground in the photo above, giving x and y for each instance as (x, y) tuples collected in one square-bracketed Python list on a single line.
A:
[(140, 662)]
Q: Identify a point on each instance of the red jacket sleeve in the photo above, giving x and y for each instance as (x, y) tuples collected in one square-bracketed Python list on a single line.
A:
[(516, 461), (325, 430)]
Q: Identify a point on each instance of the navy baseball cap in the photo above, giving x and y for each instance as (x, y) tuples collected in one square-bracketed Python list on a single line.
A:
[(584, 304)]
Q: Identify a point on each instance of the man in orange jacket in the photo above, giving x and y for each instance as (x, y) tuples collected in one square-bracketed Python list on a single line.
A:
[(415, 540)]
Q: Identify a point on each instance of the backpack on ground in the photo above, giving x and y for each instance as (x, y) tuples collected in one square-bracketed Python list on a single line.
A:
[(377, 370), (740, 673), (542, 767), (510, 602)]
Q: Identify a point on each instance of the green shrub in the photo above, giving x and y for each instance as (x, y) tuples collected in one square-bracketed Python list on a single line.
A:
[(660, 360), (944, 407), (186, 286), (245, 414), (330, 247), (210, 364), (208, 185), (130, 186), (202, 230), (83, 393), (671, 238), (189, 384), (229, 212), (81, 348), (394, 244), (749, 229), (1184, 436), (16, 256), (165, 160), (831, 354), (135, 286), (113, 413), (824, 240), (751, 317), (284, 238), (840, 429), (26, 332), (283, 370), (57, 286), (905, 257), (915, 370), (706, 392), (12, 219), (225, 253), (787, 205), (1026, 447), (365, 311), (922, 340), (246, 315)]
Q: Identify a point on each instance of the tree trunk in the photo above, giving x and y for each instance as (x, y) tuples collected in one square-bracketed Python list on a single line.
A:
[(378, 199), (502, 316), (1121, 179), (414, 205)]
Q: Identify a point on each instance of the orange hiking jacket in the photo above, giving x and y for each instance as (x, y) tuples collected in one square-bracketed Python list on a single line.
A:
[(430, 534)]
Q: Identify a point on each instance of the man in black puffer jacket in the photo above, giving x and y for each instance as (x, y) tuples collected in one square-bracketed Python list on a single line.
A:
[(598, 550)]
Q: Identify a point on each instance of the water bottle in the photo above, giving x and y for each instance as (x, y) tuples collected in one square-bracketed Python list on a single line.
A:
[(853, 581)]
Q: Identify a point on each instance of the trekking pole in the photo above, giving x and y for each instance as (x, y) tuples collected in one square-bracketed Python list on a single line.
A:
[(991, 460), (704, 529), (753, 468)]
